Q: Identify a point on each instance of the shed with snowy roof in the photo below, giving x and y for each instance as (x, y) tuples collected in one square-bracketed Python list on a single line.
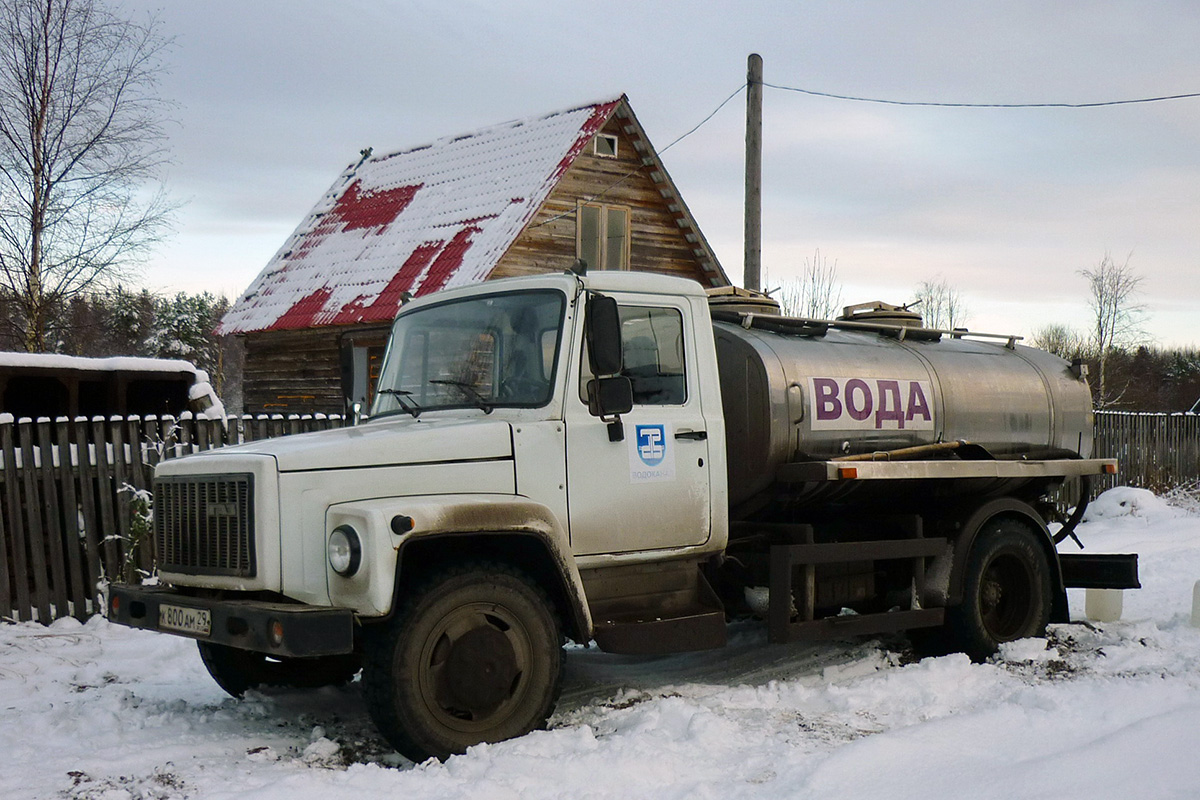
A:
[(56, 385), (518, 198)]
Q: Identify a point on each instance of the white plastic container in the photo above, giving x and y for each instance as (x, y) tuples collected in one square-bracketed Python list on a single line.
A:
[(1105, 605), (1196, 605)]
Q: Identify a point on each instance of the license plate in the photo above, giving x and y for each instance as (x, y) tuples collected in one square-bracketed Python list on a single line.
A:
[(196, 621)]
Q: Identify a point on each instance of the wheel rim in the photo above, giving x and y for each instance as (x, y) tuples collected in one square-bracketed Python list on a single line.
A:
[(1006, 597), (473, 667)]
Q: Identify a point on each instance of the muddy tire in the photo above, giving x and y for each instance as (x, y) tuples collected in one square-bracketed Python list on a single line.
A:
[(1007, 591), (236, 670), (473, 656)]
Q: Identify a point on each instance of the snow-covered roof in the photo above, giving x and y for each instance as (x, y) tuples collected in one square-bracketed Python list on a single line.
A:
[(114, 364), (415, 221)]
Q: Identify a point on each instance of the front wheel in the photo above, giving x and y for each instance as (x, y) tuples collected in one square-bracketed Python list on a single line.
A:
[(1007, 592), (473, 656)]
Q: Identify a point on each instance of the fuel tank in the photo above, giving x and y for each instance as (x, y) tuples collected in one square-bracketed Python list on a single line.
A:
[(795, 391)]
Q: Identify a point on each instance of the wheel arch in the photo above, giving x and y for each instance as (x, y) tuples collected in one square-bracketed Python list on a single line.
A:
[(527, 550), (412, 535), (975, 519)]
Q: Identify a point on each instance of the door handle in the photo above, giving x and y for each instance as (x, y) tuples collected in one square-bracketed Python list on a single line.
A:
[(698, 436)]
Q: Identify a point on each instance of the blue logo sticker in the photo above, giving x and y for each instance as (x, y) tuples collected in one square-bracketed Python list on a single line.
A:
[(651, 444)]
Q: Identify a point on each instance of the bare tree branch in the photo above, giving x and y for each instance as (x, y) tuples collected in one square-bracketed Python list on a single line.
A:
[(1059, 339), (1117, 316), (941, 304), (816, 294), (81, 134)]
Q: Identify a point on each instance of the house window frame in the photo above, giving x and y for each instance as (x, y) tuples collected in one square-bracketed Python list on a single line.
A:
[(608, 137), (604, 209)]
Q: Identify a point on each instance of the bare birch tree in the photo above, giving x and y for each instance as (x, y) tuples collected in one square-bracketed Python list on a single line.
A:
[(941, 305), (816, 294), (1059, 339), (1117, 316), (81, 148)]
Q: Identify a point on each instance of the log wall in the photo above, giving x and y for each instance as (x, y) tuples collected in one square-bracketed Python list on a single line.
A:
[(657, 241)]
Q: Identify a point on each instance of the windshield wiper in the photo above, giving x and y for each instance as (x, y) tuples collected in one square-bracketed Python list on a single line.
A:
[(404, 400), (470, 391)]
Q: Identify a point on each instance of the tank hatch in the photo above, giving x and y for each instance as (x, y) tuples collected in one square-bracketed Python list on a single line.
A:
[(735, 298), (879, 311)]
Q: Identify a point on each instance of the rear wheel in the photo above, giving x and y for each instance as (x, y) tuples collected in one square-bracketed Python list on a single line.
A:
[(236, 670), (1007, 592), (474, 656)]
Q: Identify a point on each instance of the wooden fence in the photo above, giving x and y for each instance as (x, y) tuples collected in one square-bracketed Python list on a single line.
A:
[(1155, 451), (78, 515)]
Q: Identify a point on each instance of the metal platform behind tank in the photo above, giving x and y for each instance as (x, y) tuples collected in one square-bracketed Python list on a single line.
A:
[(818, 471)]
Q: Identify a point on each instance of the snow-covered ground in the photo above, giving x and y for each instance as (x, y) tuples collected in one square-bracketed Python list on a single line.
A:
[(1094, 711)]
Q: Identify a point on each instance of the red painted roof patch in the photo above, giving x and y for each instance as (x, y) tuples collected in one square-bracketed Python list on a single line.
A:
[(357, 209), (448, 261), (418, 221), (304, 312), (388, 302)]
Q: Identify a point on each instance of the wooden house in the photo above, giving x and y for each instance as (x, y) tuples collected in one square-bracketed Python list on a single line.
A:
[(522, 197)]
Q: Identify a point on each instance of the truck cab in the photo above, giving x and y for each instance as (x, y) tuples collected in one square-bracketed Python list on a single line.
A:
[(295, 559)]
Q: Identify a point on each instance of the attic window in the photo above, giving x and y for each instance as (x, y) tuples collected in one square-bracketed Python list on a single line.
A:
[(605, 145), (602, 236)]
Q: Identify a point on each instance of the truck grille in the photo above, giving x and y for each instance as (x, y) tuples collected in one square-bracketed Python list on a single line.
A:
[(205, 525)]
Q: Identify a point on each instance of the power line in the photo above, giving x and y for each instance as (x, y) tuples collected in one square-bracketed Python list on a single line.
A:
[(712, 114), (925, 104), (880, 101)]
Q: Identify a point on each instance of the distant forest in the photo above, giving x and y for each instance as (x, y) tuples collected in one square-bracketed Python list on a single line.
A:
[(121, 322), (1149, 378)]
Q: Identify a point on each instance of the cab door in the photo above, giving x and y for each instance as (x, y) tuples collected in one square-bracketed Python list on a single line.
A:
[(651, 489)]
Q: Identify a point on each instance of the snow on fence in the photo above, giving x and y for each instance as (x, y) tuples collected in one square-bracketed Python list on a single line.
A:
[(77, 517)]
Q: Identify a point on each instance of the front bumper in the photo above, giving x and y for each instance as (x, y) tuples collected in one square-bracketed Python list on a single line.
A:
[(278, 629)]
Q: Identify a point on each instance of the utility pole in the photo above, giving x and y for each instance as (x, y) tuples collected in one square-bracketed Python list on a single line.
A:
[(752, 260)]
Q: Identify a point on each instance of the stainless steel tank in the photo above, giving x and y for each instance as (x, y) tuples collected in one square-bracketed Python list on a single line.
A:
[(814, 396)]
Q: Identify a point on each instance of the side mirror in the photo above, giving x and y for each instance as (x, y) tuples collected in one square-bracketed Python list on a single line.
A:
[(608, 397), (603, 334)]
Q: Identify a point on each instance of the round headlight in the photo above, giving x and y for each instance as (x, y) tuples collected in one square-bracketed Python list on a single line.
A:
[(345, 550)]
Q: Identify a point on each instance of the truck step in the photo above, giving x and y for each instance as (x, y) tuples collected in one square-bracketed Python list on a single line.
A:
[(654, 609), (703, 630)]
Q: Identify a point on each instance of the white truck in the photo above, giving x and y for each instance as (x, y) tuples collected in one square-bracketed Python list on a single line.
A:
[(619, 458)]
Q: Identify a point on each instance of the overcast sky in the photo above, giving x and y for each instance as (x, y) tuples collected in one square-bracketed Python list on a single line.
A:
[(276, 98)]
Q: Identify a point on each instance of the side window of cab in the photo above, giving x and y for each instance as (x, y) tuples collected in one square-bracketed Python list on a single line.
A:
[(652, 349)]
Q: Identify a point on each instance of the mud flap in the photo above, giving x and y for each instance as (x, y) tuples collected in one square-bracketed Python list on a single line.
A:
[(1100, 570)]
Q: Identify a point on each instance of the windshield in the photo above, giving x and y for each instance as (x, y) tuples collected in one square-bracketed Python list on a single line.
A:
[(482, 352)]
